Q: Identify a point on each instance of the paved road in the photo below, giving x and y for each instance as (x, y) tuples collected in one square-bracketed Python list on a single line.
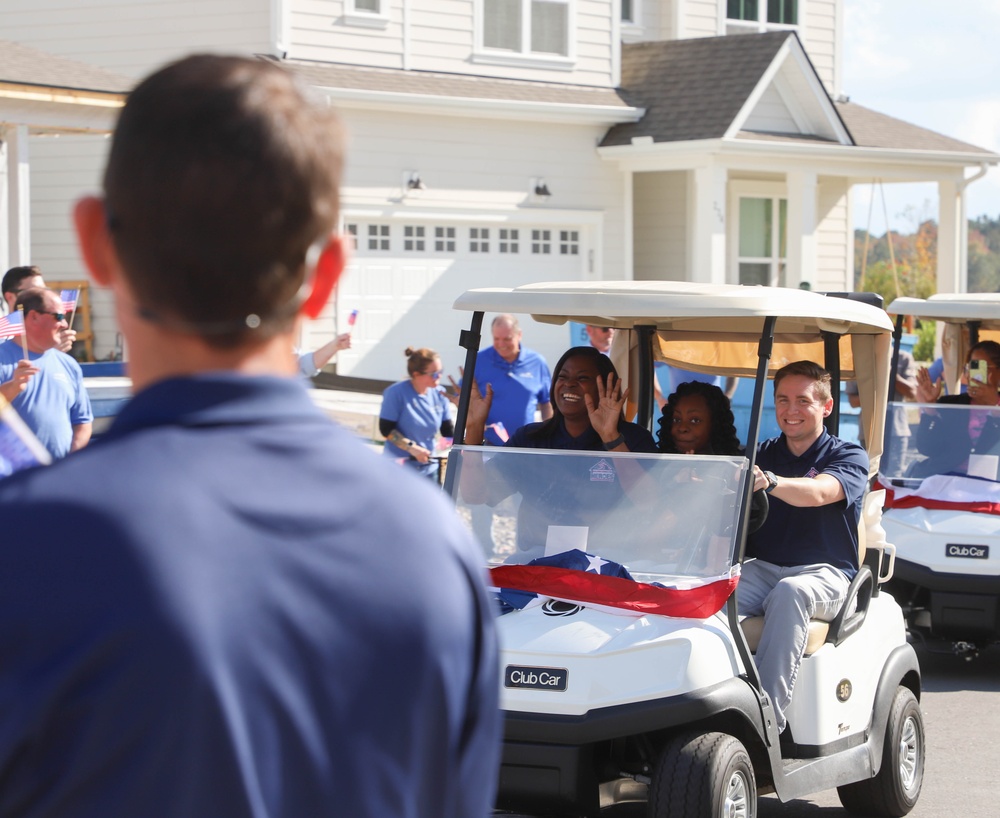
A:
[(961, 705)]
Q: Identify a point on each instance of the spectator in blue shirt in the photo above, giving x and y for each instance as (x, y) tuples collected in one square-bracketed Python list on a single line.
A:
[(519, 380), (228, 606), (414, 411)]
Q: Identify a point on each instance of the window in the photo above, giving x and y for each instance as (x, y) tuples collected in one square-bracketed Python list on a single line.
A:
[(479, 239), (760, 15), (763, 241), (367, 13), (378, 237), (541, 242), (413, 238), (527, 26), (351, 230), (628, 11), (509, 240), (569, 242), (444, 239)]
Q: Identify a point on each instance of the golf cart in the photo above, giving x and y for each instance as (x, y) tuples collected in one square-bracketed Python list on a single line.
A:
[(943, 496), (627, 673)]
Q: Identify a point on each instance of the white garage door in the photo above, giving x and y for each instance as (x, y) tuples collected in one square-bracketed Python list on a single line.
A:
[(405, 276)]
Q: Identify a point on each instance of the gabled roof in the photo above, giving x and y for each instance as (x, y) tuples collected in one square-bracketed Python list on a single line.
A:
[(395, 87), (754, 88), (871, 129), (23, 65), (693, 89)]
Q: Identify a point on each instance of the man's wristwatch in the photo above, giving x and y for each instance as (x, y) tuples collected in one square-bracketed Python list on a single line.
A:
[(772, 482)]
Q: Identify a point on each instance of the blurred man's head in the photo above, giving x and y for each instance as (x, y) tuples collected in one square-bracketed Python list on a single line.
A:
[(507, 337), (221, 197), (17, 279), (44, 320), (601, 337)]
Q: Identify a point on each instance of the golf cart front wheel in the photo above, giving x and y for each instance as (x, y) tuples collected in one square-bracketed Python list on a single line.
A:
[(703, 775), (894, 791)]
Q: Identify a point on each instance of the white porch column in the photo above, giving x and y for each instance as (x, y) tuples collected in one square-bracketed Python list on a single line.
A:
[(707, 228), (802, 246), (15, 208), (952, 273)]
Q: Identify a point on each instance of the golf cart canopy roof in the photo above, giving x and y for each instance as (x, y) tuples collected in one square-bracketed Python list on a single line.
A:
[(715, 328), (953, 308), (681, 307)]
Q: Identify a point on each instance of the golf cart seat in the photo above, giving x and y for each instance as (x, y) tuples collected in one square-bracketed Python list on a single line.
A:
[(852, 614)]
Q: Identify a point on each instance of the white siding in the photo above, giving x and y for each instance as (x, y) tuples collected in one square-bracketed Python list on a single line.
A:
[(131, 36), (660, 226), (819, 34), (700, 18), (476, 173), (834, 268), (771, 115), (63, 169), (441, 37)]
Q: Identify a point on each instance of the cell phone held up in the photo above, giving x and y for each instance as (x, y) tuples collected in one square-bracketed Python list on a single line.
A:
[(978, 373)]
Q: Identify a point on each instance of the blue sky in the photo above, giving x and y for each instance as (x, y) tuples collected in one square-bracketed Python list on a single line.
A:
[(935, 64)]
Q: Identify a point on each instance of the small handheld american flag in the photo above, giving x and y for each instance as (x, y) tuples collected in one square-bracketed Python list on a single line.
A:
[(69, 299), (11, 326)]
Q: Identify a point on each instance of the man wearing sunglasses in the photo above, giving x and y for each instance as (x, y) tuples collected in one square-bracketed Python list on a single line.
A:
[(46, 385), (18, 279)]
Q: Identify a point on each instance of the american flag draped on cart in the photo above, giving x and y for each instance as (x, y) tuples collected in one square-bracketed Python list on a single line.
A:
[(586, 579)]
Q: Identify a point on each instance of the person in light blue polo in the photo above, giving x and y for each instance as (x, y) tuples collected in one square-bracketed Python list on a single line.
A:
[(520, 379)]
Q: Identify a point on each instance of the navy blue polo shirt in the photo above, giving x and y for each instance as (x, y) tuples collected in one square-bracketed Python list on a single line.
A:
[(793, 535), (227, 606)]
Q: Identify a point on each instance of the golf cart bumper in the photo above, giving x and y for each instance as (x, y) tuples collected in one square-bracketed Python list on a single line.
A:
[(961, 606), (553, 762)]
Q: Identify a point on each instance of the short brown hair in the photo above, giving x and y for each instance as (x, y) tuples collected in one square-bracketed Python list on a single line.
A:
[(15, 275), (417, 360), (222, 176), (809, 370)]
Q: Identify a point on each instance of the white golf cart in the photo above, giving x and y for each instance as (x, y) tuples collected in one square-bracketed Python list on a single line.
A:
[(627, 674), (943, 496)]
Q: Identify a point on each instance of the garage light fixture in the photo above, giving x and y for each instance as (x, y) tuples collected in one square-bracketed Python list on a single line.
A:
[(539, 188), (412, 181)]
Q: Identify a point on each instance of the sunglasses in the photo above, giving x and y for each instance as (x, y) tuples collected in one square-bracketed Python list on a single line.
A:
[(435, 375), (59, 316)]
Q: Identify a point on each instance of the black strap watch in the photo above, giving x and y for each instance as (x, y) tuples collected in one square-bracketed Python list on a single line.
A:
[(772, 482)]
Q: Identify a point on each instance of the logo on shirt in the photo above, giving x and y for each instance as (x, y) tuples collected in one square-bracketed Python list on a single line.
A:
[(811, 473), (602, 472)]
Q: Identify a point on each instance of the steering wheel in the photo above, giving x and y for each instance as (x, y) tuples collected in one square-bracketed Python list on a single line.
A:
[(759, 506)]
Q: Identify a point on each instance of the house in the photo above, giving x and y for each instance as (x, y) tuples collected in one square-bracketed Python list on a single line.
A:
[(497, 142)]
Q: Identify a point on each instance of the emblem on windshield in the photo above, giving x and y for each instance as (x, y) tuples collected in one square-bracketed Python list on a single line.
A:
[(602, 472)]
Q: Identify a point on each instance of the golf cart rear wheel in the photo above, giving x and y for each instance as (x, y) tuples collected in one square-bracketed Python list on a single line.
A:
[(894, 791), (703, 775)]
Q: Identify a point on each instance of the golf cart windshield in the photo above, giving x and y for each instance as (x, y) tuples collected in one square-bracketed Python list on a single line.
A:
[(926, 440), (662, 517)]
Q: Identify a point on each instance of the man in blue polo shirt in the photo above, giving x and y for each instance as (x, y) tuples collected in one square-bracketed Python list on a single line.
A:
[(520, 378), (227, 606), (806, 552)]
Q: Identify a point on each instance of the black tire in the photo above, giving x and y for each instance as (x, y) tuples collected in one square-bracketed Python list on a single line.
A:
[(703, 775), (896, 788)]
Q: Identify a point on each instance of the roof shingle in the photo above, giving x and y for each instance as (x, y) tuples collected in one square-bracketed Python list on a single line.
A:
[(24, 65)]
